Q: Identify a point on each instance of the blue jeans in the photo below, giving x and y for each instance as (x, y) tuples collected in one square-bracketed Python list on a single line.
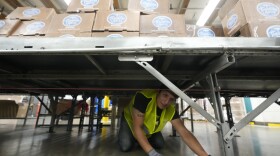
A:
[(127, 141)]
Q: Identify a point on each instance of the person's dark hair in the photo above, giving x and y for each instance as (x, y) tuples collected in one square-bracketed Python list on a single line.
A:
[(163, 87)]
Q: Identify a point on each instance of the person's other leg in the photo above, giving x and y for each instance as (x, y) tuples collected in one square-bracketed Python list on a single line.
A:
[(125, 137), (157, 140)]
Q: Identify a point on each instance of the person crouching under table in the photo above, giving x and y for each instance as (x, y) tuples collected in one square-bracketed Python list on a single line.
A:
[(145, 117)]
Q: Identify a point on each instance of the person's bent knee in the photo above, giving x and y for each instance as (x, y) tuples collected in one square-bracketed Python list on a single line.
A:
[(125, 148), (125, 145)]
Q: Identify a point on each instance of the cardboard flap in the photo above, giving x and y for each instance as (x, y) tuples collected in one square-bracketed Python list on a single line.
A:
[(234, 29), (87, 9), (82, 22), (32, 28), (7, 27), (89, 5), (149, 7), (30, 13), (162, 31), (115, 28), (117, 21), (160, 23)]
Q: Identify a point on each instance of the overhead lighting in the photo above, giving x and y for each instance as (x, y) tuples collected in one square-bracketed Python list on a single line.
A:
[(207, 12), (67, 1)]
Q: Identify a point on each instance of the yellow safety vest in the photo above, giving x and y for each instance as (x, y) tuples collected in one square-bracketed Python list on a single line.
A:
[(150, 114)]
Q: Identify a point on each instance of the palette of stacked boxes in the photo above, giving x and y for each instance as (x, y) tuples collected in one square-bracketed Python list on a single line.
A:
[(91, 18), (251, 18)]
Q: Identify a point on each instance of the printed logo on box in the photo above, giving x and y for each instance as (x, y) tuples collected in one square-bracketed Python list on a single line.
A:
[(67, 36), (273, 31), (116, 18), (2, 24), (205, 32), (162, 22), (72, 21), (31, 12), (115, 36), (267, 9), (149, 5), (35, 26), (89, 3), (232, 21)]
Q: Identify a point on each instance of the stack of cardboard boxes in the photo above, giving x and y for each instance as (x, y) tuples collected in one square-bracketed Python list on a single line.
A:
[(251, 18), (32, 21), (79, 19), (144, 18), (156, 20)]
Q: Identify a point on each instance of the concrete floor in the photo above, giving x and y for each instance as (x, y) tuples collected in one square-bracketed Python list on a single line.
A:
[(29, 141)]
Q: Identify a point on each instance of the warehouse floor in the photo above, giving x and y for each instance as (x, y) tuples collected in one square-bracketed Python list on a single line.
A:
[(27, 140)]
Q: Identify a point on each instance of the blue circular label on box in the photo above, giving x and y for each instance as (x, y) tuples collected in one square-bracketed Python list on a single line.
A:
[(31, 12), (89, 3), (2, 23), (149, 4), (115, 36), (162, 22), (273, 31), (116, 18), (35, 26), (267, 9), (205, 32), (72, 21), (232, 21)]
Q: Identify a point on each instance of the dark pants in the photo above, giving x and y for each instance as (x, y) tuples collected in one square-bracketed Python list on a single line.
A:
[(127, 141)]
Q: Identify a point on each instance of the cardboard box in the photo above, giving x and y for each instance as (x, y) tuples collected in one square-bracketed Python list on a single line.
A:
[(228, 5), (29, 13), (248, 11), (115, 34), (8, 109), (22, 110), (62, 106), (149, 6), (261, 29), (117, 21), (205, 31), (72, 22), (89, 5), (65, 105), (162, 35), (32, 28), (8, 26), (2, 16), (169, 24), (69, 34)]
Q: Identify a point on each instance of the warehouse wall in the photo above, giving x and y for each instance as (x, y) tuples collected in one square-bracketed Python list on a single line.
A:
[(271, 114)]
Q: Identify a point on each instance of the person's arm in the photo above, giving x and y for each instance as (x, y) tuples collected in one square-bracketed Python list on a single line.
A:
[(138, 123), (188, 137)]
